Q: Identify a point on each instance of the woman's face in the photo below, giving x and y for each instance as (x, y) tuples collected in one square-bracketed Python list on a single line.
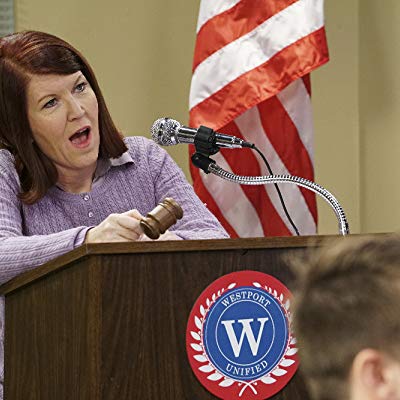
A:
[(63, 116)]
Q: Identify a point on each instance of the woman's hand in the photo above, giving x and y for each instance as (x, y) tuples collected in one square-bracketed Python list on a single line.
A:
[(117, 228)]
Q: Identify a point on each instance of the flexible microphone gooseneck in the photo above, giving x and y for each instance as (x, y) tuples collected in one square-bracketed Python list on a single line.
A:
[(168, 132)]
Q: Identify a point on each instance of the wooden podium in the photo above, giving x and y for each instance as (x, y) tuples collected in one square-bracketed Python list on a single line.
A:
[(108, 321)]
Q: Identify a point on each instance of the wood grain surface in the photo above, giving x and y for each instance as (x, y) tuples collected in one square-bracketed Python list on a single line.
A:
[(108, 322)]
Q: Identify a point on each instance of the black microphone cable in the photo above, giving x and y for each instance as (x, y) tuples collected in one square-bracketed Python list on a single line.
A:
[(278, 190)]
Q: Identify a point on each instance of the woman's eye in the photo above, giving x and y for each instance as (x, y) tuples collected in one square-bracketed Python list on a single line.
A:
[(50, 103), (80, 87)]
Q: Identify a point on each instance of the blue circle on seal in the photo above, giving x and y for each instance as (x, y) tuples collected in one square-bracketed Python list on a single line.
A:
[(245, 333)]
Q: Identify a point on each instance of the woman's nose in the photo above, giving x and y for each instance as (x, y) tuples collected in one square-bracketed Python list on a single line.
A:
[(75, 109)]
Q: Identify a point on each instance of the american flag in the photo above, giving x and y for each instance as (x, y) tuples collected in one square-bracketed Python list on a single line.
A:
[(251, 79)]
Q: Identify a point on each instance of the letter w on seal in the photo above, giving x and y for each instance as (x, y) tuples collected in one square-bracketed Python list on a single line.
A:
[(246, 331)]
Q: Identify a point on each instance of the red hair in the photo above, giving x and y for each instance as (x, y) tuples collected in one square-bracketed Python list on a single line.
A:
[(33, 53)]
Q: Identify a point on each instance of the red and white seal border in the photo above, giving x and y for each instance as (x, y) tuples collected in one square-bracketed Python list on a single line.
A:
[(213, 373)]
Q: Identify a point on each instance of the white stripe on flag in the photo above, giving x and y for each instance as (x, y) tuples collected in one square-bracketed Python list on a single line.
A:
[(297, 103), (251, 128), (255, 48), (211, 8), (232, 202)]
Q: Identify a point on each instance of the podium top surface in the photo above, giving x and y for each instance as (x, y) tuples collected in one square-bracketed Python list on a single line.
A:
[(164, 247)]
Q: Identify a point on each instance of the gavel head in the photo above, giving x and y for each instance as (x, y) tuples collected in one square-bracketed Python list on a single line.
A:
[(161, 218)]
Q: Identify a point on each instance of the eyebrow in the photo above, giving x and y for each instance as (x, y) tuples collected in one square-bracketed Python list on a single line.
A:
[(51, 95)]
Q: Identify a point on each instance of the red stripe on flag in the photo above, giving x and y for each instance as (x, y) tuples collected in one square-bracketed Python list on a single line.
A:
[(262, 82), (228, 26), (271, 222), (284, 137), (286, 141), (244, 162)]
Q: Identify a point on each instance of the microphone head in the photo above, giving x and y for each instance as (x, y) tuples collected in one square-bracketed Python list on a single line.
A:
[(164, 131)]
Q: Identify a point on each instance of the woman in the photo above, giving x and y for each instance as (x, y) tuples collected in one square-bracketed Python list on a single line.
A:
[(66, 174)]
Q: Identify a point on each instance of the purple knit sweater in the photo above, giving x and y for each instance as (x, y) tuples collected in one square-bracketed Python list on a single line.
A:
[(31, 235)]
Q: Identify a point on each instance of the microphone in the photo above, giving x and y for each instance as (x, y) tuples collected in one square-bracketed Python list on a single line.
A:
[(169, 132)]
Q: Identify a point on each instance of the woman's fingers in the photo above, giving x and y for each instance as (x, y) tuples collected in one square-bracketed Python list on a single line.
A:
[(123, 227), (133, 213), (117, 228), (129, 223)]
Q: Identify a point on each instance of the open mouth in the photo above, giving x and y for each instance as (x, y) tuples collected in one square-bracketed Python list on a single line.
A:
[(81, 137)]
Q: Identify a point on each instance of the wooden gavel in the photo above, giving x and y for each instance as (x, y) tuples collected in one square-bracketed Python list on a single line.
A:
[(164, 215)]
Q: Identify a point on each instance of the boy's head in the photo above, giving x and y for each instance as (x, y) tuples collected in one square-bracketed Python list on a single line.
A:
[(347, 319)]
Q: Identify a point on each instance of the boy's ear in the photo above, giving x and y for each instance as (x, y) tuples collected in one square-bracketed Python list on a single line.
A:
[(375, 375)]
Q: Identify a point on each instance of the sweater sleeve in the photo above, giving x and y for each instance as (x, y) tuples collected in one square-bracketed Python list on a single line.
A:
[(197, 222), (19, 253)]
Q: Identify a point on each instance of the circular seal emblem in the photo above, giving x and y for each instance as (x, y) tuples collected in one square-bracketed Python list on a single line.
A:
[(238, 338)]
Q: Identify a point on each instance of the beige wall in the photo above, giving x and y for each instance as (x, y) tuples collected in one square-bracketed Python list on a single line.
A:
[(142, 54), (379, 82), (336, 116)]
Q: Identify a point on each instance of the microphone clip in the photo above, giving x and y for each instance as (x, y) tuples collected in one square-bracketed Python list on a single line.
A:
[(202, 161), (205, 144), (205, 141)]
